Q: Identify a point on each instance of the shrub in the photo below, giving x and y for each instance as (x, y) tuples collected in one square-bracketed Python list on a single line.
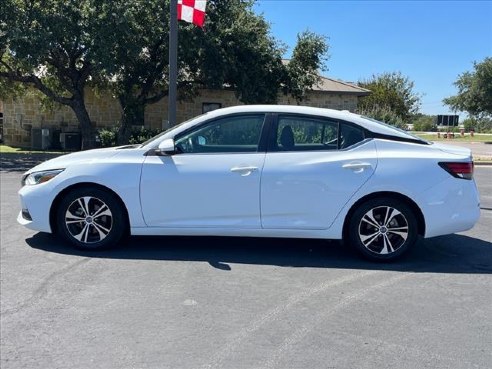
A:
[(423, 123), (481, 125), (383, 114), (109, 136), (423, 126), (142, 134)]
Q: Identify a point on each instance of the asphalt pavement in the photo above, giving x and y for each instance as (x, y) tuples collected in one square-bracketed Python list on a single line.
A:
[(202, 302)]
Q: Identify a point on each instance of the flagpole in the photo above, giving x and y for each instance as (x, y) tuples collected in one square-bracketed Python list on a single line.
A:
[(173, 62)]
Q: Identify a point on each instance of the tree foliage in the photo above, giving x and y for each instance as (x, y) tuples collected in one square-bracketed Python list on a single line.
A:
[(56, 47), (308, 57), (478, 124), (424, 123), (60, 47), (238, 51), (11, 89), (383, 114), (234, 51), (390, 92), (474, 90)]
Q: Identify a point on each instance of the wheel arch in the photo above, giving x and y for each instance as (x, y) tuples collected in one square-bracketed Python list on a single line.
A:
[(387, 194), (61, 194)]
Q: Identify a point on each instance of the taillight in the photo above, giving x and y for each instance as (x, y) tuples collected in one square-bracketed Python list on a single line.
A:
[(458, 170)]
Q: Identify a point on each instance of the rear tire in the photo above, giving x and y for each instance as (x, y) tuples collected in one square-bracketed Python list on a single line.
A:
[(383, 229), (91, 218)]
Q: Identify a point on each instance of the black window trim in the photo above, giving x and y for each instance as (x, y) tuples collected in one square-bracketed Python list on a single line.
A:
[(395, 138)]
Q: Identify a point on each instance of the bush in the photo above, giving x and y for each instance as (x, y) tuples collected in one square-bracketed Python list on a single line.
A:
[(109, 136), (383, 114), (423, 126), (142, 134), (424, 123), (480, 125)]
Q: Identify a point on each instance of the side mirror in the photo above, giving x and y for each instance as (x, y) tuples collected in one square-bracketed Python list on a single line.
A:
[(167, 147)]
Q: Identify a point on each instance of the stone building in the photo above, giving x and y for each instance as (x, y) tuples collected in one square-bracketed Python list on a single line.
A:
[(22, 118)]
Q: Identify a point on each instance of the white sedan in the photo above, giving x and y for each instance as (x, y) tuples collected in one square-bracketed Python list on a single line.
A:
[(262, 171)]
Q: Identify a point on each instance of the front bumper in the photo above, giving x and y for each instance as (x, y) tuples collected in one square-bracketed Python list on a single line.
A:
[(36, 201)]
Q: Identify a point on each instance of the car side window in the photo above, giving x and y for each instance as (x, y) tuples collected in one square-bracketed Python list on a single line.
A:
[(230, 134), (305, 134), (350, 135)]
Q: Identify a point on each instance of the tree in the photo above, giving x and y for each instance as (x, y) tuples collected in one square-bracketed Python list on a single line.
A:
[(10, 89), (390, 92), (481, 125), (61, 47), (474, 90), (52, 47), (308, 58), (424, 123), (234, 51), (137, 68)]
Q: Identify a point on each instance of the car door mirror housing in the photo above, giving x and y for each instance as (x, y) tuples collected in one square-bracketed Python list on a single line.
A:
[(167, 147)]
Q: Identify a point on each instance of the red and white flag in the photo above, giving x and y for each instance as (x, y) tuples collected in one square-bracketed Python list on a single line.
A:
[(192, 11)]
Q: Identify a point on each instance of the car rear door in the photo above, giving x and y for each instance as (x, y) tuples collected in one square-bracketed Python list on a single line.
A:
[(313, 166)]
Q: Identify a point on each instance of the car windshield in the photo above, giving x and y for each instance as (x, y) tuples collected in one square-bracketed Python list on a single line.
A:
[(397, 129)]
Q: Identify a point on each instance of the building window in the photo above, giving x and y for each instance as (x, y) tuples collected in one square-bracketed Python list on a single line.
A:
[(206, 107)]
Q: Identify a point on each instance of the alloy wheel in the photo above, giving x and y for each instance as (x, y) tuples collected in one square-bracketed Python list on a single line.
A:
[(383, 230), (89, 219)]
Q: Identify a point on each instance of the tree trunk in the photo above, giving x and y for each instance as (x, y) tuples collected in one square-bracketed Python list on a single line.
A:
[(88, 139), (133, 114)]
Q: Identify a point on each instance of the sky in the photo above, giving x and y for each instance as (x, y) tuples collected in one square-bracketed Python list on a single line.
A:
[(431, 42)]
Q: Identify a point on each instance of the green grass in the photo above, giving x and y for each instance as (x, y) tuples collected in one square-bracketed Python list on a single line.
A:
[(4, 149), (457, 137)]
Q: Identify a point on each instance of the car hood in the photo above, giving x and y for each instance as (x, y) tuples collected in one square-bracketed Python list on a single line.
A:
[(451, 149), (76, 158)]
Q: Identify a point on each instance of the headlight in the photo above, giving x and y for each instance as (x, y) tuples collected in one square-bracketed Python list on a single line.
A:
[(40, 177)]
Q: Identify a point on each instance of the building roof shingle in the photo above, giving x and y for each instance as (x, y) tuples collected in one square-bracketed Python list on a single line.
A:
[(336, 86), (330, 85)]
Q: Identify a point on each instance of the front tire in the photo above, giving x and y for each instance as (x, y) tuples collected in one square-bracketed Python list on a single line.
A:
[(383, 229), (91, 218)]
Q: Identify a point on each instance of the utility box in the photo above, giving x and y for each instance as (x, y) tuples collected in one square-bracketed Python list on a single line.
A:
[(70, 141), (41, 138)]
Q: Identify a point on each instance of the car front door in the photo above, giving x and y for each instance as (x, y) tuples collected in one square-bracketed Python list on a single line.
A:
[(214, 180), (314, 165)]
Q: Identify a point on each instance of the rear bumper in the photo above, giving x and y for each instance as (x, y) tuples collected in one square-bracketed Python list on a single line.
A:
[(451, 208)]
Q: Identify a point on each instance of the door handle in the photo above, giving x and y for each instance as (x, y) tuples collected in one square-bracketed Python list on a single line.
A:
[(357, 167), (244, 171)]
